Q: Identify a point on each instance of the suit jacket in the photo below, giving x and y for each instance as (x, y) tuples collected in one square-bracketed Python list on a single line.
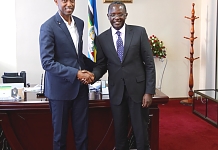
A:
[(137, 70), (60, 60)]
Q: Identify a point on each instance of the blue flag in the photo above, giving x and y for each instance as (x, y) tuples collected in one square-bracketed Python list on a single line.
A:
[(92, 29)]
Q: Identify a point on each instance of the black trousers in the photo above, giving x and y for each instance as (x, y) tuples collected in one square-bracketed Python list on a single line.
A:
[(139, 120)]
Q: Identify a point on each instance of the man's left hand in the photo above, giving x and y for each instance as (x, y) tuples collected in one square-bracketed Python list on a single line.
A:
[(147, 100)]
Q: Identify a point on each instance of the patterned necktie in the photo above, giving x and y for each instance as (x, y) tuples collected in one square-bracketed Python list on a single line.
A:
[(120, 48)]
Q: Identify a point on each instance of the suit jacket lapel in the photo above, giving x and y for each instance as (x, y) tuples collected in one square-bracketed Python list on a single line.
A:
[(111, 47), (63, 26), (80, 33), (128, 38)]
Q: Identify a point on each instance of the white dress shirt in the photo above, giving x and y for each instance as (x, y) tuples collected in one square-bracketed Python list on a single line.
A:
[(115, 36), (73, 32)]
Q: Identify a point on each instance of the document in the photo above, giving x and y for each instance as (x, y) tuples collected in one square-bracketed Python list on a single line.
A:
[(104, 87), (37, 88)]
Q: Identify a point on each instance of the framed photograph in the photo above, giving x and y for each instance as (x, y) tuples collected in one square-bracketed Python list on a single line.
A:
[(125, 1)]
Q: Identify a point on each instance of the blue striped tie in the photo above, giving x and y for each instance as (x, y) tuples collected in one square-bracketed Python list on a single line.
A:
[(120, 48)]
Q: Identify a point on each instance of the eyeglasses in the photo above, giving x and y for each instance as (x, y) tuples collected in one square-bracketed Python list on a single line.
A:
[(65, 1), (117, 15)]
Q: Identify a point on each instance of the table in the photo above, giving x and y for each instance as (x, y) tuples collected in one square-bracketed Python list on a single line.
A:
[(205, 105), (27, 124)]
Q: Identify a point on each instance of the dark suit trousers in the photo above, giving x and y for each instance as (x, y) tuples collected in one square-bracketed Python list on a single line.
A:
[(78, 111), (139, 121)]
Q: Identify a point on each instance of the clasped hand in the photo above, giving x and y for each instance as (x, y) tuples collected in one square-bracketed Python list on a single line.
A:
[(85, 76)]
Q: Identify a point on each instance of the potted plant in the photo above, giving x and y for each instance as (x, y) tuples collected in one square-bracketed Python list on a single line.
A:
[(157, 47)]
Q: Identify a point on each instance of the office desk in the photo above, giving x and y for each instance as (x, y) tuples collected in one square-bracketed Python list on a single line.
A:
[(27, 124)]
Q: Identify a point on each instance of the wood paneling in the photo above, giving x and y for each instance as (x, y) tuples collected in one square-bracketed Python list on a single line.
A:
[(27, 124)]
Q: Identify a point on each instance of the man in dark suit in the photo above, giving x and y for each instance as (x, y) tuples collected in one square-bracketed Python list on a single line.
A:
[(64, 64), (124, 51)]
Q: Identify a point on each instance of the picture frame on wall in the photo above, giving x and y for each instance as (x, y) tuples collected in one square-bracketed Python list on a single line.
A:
[(125, 1)]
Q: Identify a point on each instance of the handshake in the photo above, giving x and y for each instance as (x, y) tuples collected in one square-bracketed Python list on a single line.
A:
[(85, 76)]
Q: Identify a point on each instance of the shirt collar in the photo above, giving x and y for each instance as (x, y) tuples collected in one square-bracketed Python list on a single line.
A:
[(122, 30), (72, 20)]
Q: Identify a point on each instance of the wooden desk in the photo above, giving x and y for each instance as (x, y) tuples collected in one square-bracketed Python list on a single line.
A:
[(27, 124)]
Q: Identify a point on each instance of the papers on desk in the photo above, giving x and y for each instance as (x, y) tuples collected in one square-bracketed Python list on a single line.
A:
[(38, 89), (95, 87), (104, 87), (11, 91), (100, 86)]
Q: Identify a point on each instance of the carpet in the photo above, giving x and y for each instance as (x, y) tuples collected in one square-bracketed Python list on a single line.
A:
[(180, 129)]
